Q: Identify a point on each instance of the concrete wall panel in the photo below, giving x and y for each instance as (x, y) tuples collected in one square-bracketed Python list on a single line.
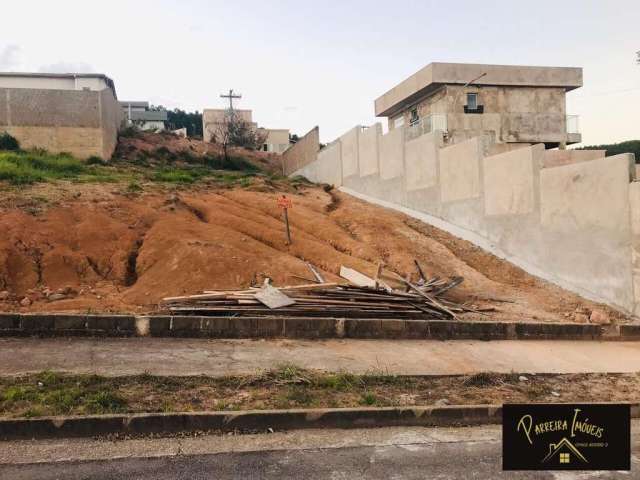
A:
[(585, 218), (556, 158), (508, 183), (302, 153), (349, 143), (585, 195), (392, 154), (329, 164), (368, 150), (460, 171), (634, 205), (421, 161)]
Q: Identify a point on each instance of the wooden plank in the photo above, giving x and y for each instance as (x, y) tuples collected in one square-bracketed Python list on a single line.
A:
[(355, 277), (316, 273), (273, 298)]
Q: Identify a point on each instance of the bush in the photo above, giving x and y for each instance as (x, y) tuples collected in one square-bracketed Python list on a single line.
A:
[(130, 132), (8, 142)]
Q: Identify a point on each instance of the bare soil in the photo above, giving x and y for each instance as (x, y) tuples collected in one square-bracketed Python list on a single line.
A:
[(48, 393), (101, 248)]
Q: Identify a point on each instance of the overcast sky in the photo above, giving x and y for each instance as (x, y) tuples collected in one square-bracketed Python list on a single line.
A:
[(302, 63)]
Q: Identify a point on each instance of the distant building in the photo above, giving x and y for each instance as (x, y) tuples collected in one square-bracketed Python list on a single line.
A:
[(276, 140), (61, 112), (138, 113), (514, 104)]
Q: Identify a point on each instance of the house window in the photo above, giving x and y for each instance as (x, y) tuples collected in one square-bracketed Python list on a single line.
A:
[(398, 121), (413, 116), (472, 101), (564, 458), (265, 147)]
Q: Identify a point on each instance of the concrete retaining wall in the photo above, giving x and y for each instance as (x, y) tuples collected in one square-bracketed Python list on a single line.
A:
[(301, 153), (46, 325), (571, 217), (83, 123)]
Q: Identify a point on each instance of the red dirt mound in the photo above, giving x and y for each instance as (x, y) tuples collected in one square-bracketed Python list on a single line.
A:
[(97, 250)]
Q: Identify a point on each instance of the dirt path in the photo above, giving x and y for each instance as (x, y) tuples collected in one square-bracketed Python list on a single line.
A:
[(111, 251)]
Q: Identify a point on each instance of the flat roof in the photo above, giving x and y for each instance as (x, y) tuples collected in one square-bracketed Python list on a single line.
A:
[(431, 77), (125, 103), (102, 76)]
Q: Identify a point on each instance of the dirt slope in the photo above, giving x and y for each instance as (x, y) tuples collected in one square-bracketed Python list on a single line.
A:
[(115, 252)]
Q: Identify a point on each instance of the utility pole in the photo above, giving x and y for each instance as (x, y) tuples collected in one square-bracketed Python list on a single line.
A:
[(231, 96)]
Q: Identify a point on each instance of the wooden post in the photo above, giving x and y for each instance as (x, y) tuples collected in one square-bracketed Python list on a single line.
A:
[(286, 222), (285, 204)]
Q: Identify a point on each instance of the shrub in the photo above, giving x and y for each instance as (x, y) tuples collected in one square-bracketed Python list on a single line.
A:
[(8, 142), (232, 163), (130, 132)]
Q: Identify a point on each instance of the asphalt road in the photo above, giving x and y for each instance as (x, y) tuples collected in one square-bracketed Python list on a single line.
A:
[(394, 453)]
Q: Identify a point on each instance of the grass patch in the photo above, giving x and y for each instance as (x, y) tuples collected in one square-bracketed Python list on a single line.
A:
[(20, 168), (289, 386)]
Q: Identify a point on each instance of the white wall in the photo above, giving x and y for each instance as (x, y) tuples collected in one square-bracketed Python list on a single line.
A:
[(570, 218)]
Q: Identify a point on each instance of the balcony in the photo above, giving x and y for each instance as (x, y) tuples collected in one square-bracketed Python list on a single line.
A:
[(428, 124)]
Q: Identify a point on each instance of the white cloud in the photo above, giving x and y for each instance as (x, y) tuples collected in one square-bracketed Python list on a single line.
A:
[(9, 57)]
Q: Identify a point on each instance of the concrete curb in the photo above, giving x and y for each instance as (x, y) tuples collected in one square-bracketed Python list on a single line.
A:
[(253, 420), (21, 325)]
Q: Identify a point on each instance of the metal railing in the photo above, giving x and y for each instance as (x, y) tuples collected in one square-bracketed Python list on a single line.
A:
[(573, 124), (428, 124)]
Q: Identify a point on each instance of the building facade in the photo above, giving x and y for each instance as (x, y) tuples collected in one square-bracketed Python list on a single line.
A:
[(74, 113), (138, 114), (213, 120), (514, 104)]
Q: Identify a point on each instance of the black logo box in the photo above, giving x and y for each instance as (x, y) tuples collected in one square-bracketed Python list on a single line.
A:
[(566, 437)]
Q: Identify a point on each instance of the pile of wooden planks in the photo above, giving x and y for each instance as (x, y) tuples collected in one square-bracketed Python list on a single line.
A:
[(377, 300)]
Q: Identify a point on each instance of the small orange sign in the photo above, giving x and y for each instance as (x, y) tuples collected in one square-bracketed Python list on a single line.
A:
[(284, 202)]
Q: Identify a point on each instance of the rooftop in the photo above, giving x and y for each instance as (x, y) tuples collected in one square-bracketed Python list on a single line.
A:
[(431, 77), (101, 76)]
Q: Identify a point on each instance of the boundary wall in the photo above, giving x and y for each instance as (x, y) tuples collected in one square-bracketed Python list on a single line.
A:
[(571, 217), (81, 122)]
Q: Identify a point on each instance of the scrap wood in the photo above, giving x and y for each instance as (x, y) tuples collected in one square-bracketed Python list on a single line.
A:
[(360, 297), (315, 272), (272, 297), (420, 272), (355, 277)]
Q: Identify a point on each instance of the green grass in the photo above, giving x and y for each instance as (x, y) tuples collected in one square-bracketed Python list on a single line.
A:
[(24, 168), (20, 168)]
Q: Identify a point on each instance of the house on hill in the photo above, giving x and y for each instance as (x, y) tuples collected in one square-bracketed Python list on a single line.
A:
[(512, 103)]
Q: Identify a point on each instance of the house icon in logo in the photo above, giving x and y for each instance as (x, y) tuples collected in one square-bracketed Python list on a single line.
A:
[(565, 451)]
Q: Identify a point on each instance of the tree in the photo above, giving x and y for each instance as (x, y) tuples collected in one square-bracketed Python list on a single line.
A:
[(232, 130)]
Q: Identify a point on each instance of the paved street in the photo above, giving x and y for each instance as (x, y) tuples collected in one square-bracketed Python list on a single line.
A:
[(175, 356), (389, 453)]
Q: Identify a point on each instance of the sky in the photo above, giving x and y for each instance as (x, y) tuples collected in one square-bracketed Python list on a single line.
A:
[(300, 63)]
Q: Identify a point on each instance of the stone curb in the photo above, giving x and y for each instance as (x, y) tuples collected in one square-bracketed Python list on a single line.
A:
[(253, 420), (16, 325)]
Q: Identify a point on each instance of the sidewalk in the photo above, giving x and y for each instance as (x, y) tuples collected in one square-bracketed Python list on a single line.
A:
[(166, 356)]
